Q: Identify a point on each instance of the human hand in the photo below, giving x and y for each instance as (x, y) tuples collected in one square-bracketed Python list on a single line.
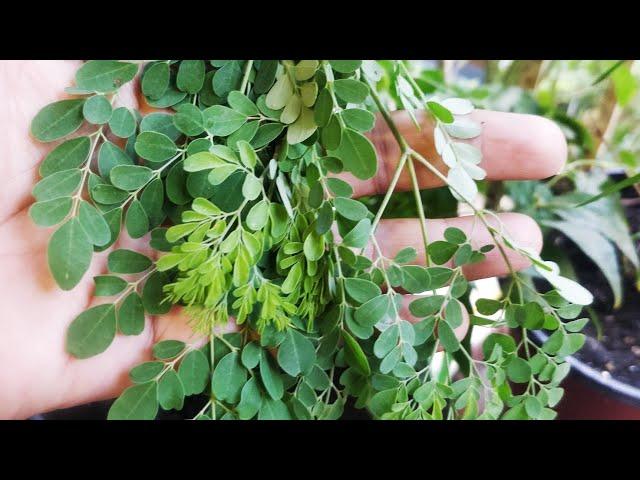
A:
[(36, 372)]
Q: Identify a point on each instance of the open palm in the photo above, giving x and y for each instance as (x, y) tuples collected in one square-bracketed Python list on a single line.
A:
[(37, 374)]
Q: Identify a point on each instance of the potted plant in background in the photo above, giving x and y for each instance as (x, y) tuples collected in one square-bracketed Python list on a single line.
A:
[(590, 214)]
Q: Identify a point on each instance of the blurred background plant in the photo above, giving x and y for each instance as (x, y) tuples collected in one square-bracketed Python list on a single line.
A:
[(595, 104)]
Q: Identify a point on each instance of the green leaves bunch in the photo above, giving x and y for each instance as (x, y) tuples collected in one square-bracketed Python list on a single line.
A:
[(235, 184)]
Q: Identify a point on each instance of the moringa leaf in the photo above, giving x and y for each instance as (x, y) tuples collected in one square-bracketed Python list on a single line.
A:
[(296, 353), (155, 147), (68, 155), (69, 254), (138, 402), (357, 154), (131, 315), (51, 212), (57, 120), (92, 331), (105, 76), (194, 372)]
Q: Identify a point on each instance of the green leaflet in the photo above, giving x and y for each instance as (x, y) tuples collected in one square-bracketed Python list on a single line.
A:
[(51, 212), (153, 297), (60, 184), (108, 285), (105, 76), (122, 123), (302, 128), (448, 338), (97, 110), (131, 315), (266, 134), (340, 188), (228, 378), (152, 201), (251, 401), (111, 156), (68, 155), (127, 261), (373, 311), (223, 121), (270, 377), (170, 391), (358, 119), (296, 353), (354, 354), (228, 78), (359, 236), (130, 177), (258, 215), (57, 120), (168, 349), (145, 371), (273, 410), (156, 80), (155, 147), (194, 372), (441, 251), (440, 112), (266, 76), (108, 194), (136, 403), (357, 154), (136, 220), (345, 66), (351, 91), (94, 225), (361, 290), (351, 209), (92, 331), (190, 76), (163, 123), (419, 279), (241, 103), (69, 254), (189, 120)]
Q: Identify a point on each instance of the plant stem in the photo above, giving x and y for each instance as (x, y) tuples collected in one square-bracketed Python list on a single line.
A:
[(390, 190), (404, 147), (247, 72), (420, 207), (476, 211)]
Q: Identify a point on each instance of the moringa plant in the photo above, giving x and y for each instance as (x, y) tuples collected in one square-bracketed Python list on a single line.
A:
[(593, 102), (235, 176)]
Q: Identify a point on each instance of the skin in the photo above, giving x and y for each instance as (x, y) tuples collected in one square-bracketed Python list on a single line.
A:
[(37, 374)]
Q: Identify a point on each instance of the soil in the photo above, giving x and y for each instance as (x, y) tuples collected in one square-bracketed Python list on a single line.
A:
[(616, 353)]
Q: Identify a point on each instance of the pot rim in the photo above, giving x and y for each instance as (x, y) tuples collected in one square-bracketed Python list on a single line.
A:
[(624, 391)]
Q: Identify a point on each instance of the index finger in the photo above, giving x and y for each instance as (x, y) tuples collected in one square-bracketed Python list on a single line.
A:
[(514, 147)]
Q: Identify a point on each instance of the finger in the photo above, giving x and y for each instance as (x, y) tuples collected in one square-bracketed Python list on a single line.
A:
[(406, 314), (514, 147), (395, 234)]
